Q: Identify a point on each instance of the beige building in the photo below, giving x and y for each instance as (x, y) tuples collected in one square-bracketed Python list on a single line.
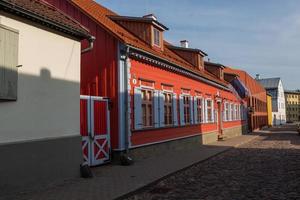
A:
[(292, 105), (40, 139)]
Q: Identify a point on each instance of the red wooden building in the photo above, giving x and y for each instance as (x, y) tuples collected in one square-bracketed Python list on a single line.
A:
[(256, 100), (138, 90)]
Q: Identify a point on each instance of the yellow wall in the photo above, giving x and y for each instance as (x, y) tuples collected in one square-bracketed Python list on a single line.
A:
[(292, 106), (269, 108)]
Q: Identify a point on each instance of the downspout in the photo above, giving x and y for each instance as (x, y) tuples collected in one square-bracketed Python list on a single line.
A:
[(126, 99), (91, 40), (125, 159)]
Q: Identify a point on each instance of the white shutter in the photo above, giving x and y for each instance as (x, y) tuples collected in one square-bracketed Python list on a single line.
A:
[(203, 110), (206, 111), (181, 110), (174, 105), (155, 108), (137, 108), (161, 109), (9, 42), (191, 110), (229, 111), (213, 111), (195, 111), (224, 112)]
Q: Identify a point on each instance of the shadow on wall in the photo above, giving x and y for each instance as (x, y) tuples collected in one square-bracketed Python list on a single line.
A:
[(40, 138)]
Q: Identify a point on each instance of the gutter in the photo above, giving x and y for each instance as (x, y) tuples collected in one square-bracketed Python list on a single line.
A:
[(91, 40), (210, 82)]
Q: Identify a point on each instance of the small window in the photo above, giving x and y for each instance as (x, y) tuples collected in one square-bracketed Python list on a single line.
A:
[(186, 105), (168, 109), (199, 110), (156, 37), (147, 107)]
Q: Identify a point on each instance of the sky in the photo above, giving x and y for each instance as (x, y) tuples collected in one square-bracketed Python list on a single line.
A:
[(261, 37)]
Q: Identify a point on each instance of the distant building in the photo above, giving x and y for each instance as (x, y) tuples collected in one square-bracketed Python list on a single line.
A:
[(269, 109), (256, 97), (275, 88), (292, 102)]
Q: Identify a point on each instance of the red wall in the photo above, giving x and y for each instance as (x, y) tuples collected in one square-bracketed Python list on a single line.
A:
[(145, 71), (98, 67)]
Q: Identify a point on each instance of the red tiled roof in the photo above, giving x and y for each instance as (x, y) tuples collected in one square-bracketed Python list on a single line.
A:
[(47, 12), (101, 15), (250, 83)]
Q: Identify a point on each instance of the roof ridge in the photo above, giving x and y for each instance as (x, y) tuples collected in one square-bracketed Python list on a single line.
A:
[(101, 15)]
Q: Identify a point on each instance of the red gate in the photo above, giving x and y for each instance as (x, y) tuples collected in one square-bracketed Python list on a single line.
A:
[(95, 130)]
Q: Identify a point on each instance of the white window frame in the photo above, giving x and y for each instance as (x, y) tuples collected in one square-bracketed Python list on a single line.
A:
[(172, 110), (202, 110), (159, 39), (206, 111), (231, 111), (226, 110)]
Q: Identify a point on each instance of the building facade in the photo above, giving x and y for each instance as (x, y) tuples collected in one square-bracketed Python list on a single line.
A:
[(256, 97), (40, 51), (292, 98), (274, 87), (269, 108), (160, 95)]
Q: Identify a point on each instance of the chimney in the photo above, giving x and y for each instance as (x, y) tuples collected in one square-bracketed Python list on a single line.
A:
[(257, 77), (150, 16), (184, 43)]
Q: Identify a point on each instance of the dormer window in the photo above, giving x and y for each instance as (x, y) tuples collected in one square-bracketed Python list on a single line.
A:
[(156, 35), (146, 28)]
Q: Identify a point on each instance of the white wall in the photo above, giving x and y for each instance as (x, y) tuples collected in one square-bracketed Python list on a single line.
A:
[(281, 114), (48, 86)]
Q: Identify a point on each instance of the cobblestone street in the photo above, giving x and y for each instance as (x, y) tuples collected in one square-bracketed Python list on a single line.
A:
[(268, 167)]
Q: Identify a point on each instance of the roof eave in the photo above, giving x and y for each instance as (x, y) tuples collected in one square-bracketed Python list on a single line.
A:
[(17, 10), (211, 82), (214, 64), (139, 19), (188, 49)]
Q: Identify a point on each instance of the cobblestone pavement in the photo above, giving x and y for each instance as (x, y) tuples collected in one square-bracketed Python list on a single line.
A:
[(268, 167)]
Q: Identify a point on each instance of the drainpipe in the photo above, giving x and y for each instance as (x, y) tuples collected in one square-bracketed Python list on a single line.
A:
[(125, 159), (126, 100), (91, 40)]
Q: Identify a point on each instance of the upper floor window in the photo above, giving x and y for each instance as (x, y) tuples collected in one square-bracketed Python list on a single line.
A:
[(156, 37), (186, 105), (168, 109), (147, 107)]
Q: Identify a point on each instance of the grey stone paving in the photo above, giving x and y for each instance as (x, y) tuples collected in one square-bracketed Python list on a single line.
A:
[(112, 181), (267, 167)]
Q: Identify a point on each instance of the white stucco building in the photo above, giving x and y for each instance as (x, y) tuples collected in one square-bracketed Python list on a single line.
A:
[(40, 53), (275, 88)]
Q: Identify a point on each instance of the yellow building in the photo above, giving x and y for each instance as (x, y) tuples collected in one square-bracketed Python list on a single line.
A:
[(269, 110), (292, 98)]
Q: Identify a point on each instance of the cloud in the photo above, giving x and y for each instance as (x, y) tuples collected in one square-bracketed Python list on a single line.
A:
[(258, 36)]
